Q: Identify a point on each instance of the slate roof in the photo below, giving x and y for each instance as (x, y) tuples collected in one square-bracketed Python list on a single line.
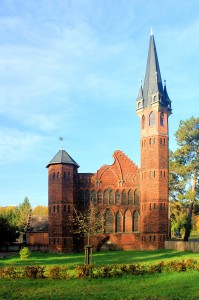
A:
[(153, 81), (62, 157)]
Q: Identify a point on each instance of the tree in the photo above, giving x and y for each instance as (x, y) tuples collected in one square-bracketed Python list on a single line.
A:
[(8, 232), (24, 210), (184, 167), (87, 224), (40, 211)]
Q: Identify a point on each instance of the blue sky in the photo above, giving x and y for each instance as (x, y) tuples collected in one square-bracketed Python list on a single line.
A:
[(72, 69)]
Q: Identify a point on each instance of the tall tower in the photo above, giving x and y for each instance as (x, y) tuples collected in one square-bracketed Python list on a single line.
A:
[(62, 195), (153, 106)]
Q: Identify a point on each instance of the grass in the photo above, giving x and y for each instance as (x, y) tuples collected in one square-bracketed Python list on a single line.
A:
[(159, 286), (164, 286), (99, 258)]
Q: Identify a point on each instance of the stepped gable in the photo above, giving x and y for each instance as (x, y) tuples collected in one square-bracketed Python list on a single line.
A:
[(122, 170)]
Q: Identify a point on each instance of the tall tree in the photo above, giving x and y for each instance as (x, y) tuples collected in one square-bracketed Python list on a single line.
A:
[(24, 210), (185, 166), (40, 210)]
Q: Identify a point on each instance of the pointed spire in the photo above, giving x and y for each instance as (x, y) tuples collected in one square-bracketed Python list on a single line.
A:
[(153, 80), (151, 30), (140, 94)]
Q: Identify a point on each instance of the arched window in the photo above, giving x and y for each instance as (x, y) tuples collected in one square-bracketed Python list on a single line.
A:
[(118, 222), (162, 119), (87, 197), (160, 141), (150, 141), (117, 197), (143, 122), (128, 221), (124, 197), (93, 197), (130, 197), (111, 197), (109, 222), (99, 197), (152, 119), (136, 221), (136, 197), (81, 197), (106, 196)]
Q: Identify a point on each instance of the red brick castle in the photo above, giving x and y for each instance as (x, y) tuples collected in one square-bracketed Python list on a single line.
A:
[(132, 201)]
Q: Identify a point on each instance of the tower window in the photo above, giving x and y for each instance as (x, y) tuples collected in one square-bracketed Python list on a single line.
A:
[(160, 141), (143, 122), (162, 119), (150, 141), (152, 119), (154, 140)]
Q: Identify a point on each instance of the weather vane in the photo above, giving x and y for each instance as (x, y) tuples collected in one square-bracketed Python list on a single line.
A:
[(62, 140)]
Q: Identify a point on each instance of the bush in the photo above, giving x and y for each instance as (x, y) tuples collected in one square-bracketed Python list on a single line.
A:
[(57, 272), (34, 272), (24, 253)]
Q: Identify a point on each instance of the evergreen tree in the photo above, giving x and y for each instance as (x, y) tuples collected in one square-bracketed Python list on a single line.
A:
[(184, 167)]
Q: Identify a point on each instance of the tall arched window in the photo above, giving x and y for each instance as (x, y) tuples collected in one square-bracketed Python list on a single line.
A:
[(136, 221), (118, 222), (93, 197), (124, 197), (143, 122), (130, 197), (111, 197), (136, 197), (106, 196), (81, 197), (117, 197), (99, 197), (152, 119), (128, 221), (162, 119), (109, 222), (87, 197)]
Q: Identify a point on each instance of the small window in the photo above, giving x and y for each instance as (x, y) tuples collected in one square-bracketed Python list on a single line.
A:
[(160, 141), (150, 238), (154, 141), (162, 119), (150, 141), (143, 122), (150, 207), (154, 238), (152, 119), (154, 173), (155, 206)]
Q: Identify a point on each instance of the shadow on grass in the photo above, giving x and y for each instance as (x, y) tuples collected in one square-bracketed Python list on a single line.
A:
[(99, 258)]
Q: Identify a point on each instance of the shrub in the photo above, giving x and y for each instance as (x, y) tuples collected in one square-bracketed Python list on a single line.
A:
[(24, 253), (34, 272), (57, 272), (84, 271)]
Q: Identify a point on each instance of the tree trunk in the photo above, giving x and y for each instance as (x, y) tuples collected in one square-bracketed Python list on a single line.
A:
[(189, 216), (188, 224)]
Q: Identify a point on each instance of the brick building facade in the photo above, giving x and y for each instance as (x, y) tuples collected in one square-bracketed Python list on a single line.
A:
[(132, 201)]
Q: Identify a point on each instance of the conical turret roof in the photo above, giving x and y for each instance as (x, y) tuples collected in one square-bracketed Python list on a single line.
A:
[(62, 157)]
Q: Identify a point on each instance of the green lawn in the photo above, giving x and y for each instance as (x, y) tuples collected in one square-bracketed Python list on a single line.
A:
[(99, 258), (164, 286)]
